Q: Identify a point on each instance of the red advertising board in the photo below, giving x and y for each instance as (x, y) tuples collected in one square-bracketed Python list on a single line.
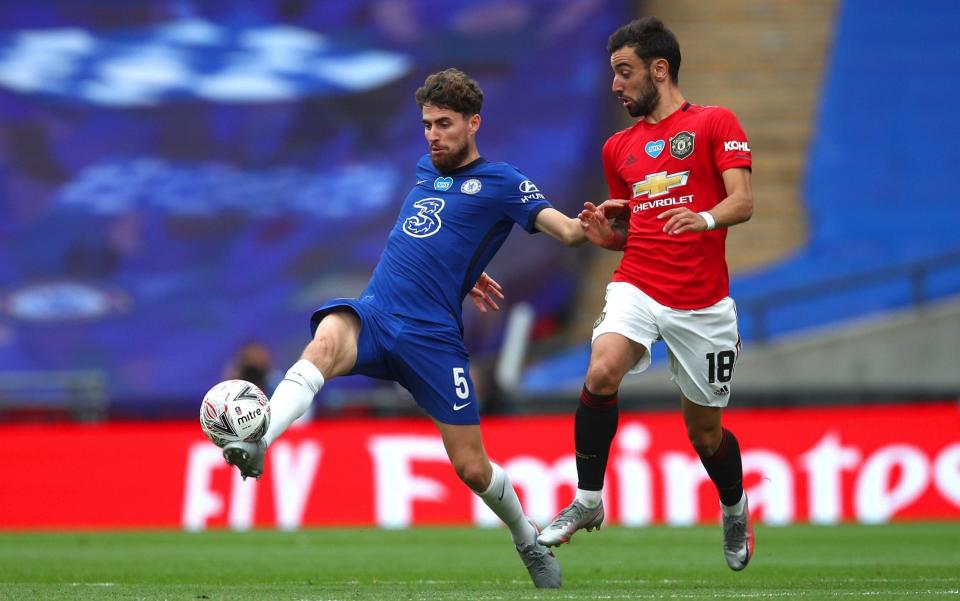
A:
[(866, 464)]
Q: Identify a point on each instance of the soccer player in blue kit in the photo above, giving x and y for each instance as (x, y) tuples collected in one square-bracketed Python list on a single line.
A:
[(407, 324)]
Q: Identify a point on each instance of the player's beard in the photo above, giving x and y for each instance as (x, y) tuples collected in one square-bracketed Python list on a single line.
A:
[(450, 160), (643, 105)]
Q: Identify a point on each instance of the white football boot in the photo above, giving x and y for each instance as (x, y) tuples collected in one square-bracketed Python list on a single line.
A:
[(247, 456)]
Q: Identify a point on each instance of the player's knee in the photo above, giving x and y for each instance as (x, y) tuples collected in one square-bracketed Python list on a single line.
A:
[(328, 354), (705, 441), (332, 350), (603, 378), (473, 473), (321, 350)]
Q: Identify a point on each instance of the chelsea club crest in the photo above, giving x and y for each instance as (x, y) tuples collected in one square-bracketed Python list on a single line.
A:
[(471, 186)]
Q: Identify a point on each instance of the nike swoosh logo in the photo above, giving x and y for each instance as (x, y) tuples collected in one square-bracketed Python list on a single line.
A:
[(503, 487), (294, 381), (422, 181), (457, 407)]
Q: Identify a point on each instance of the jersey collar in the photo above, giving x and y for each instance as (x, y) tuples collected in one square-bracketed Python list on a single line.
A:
[(472, 164)]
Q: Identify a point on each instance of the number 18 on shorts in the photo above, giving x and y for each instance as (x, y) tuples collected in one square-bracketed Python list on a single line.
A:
[(702, 344)]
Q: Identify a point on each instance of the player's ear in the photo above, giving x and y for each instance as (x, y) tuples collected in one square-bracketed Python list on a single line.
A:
[(660, 70), (474, 123)]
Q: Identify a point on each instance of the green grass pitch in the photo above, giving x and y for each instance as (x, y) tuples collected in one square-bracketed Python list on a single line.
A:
[(900, 561)]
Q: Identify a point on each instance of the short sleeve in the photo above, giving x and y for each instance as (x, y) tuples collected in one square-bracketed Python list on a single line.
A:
[(615, 184), (522, 200), (730, 146)]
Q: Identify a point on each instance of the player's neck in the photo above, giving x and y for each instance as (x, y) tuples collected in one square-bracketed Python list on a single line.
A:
[(670, 101), (472, 156)]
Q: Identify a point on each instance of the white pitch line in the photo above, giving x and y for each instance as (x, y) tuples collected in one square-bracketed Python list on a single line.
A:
[(720, 595), (717, 595)]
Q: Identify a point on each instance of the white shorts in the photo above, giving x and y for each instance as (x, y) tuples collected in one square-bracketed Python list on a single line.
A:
[(702, 344)]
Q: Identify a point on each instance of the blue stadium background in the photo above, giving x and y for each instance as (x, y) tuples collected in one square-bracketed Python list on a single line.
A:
[(179, 182), (179, 179)]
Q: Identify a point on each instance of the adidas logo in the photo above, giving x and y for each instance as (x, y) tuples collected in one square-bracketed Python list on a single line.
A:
[(721, 391)]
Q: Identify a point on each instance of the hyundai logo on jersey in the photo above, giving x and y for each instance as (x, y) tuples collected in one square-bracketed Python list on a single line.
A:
[(527, 186), (442, 183), (654, 148)]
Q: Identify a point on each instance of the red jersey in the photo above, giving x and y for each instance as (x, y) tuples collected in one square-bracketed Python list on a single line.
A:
[(677, 162)]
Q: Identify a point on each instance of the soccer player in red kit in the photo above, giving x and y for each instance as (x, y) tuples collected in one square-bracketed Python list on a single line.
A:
[(683, 174)]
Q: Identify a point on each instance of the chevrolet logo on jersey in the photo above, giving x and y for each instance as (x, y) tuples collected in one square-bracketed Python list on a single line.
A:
[(657, 184)]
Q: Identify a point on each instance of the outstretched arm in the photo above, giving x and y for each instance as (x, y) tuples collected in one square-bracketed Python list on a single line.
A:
[(557, 225)]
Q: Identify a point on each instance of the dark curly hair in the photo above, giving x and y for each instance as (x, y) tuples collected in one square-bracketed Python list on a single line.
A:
[(451, 89), (650, 39)]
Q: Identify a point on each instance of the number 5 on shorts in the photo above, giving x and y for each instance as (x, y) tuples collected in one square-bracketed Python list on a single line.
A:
[(460, 383)]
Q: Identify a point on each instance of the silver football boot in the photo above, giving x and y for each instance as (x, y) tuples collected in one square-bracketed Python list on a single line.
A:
[(573, 518), (540, 562), (247, 456), (737, 539)]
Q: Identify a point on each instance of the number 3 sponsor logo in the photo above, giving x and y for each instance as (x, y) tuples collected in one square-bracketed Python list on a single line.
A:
[(427, 220)]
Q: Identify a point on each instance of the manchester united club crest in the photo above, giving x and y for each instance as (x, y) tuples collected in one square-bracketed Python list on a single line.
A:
[(681, 145)]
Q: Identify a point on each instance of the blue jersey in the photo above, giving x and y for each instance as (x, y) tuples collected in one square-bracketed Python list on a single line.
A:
[(450, 227)]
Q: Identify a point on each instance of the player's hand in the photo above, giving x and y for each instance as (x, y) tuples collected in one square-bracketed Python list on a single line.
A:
[(595, 221), (614, 207), (484, 293), (682, 220)]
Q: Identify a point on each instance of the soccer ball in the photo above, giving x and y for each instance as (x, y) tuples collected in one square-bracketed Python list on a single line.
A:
[(234, 411)]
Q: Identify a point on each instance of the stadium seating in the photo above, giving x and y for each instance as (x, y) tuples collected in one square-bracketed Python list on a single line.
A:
[(882, 222), (178, 185)]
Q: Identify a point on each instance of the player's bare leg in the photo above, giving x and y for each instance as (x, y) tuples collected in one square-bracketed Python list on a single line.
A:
[(611, 357), (490, 482), (720, 454), (333, 351)]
